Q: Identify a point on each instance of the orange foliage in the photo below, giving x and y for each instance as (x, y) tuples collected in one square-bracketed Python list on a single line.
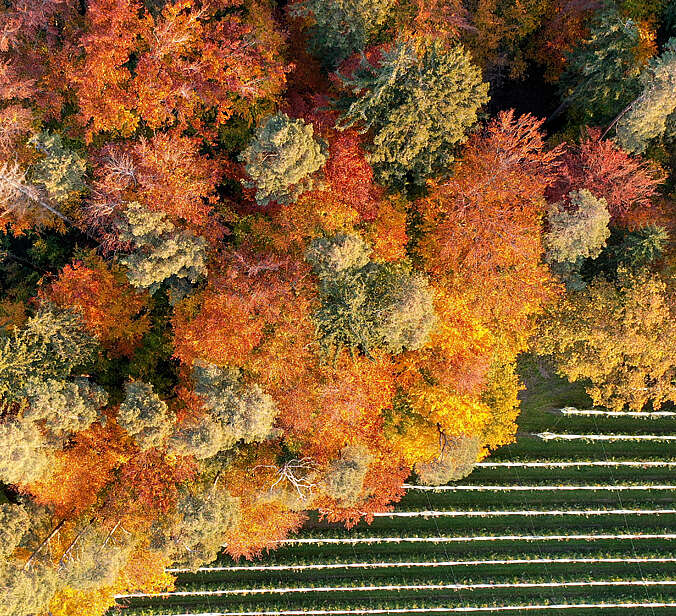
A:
[(109, 305), (81, 471)]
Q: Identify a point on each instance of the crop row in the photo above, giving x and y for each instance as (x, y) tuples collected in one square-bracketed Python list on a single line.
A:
[(220, 581), (535, 449), (391, 599)]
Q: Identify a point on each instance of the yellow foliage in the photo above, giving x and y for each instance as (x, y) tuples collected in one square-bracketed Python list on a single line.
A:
[(69, 601)]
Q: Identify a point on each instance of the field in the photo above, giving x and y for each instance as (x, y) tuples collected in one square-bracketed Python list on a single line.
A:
[(549, 525)]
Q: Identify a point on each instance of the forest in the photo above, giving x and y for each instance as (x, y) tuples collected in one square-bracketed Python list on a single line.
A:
[(260, 259)]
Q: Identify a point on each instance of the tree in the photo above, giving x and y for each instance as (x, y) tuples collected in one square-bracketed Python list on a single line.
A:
[(160, 252), (204, 520), (344, 480), (626, 182), (26, 591), (647, 117), (24, 455), (618, 337), (455, 461), (602, 73), (341, 27), (368, 305), (61, 171), (111, 308), (246, 413), (144, 416), (281, 158), (482, 227), (14, 522), (63, 407), (52, 344), (94, 557), (419, 103), (577, 232)]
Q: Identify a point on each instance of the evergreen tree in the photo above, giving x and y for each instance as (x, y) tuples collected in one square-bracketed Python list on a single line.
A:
[(344, 480), (341, 27), (368, 305), (419, 102), (161, 253), (61, 171), (281, 158), (648, 116), (578, 230), (144, 415), (602, 76), (456, 460), (24, 453)]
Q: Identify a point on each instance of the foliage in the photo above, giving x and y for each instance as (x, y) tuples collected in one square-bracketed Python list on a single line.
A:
[(160, 253), (626, 182), (578, 231), (52, 343), (25, 456), (109, 306), (344, 481), (281, 158), (456, 460), (419, 105), (619, 337), (61, 171), (341, 27), (602, 73), (369, 306), (647, 118), (144, 415)]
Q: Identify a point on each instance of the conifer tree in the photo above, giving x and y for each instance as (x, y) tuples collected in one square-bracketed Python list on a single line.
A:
[(420, 102), (281, 158), (648, 117)]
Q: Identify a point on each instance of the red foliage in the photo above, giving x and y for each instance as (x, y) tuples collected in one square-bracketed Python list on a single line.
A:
[(625, 181)]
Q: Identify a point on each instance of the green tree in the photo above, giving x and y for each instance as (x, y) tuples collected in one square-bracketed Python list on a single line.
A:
[(24, 453), (281, 158), (246, 413), (202, 523), (94, 557), (51, 345), (456, 460), (144, 415), (64, 407), (602, 75), (201, 437), (629, 250), (160, 252), (61, 172), (14, 522), (344, 479), (647, 118), (341, 27), (368, 305), (419, 102), (26, 592), (576, 231)]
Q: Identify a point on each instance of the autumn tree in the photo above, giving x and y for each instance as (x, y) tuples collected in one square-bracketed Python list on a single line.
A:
[(647, 117), (111, 309), (281, 158), (419, 101), (61, 171), (602, 75), (482, 226), (626, 182), (161, 252), (618, 337)]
